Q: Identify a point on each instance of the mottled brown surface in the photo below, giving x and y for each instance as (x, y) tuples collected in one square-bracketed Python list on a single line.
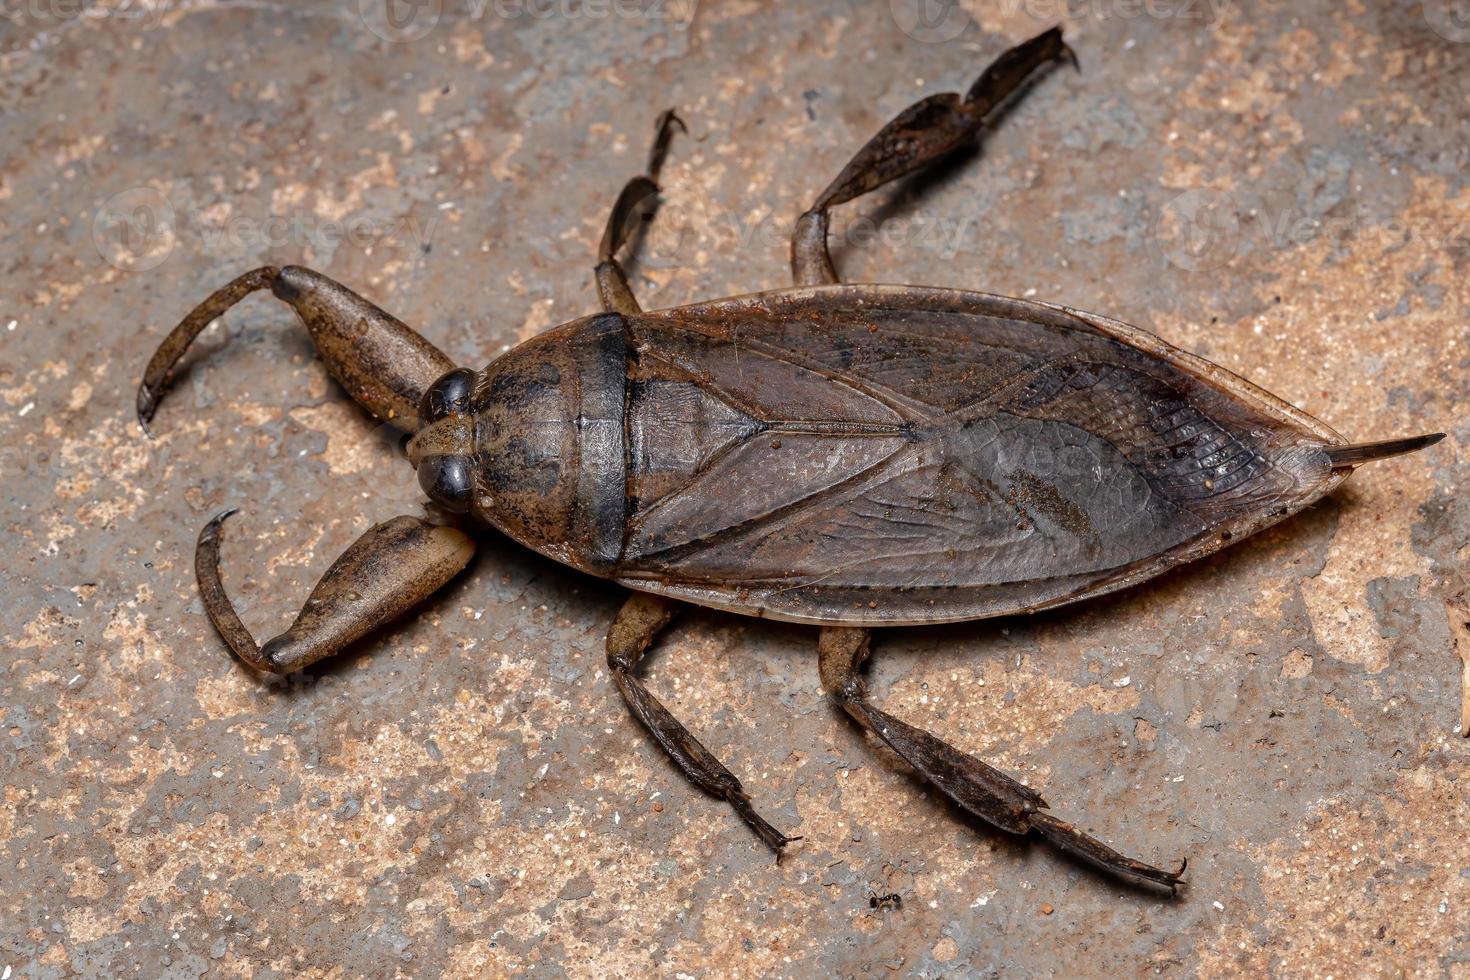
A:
[(469, 794)]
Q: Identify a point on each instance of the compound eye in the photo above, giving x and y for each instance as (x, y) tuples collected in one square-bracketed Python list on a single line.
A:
[(448, 396), (448, 481)]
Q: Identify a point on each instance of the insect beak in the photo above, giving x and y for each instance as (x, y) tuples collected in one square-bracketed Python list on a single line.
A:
[(450, 436)]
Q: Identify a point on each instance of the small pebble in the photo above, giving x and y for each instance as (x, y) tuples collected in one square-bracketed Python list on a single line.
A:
[(658, 808), (1046, 908)]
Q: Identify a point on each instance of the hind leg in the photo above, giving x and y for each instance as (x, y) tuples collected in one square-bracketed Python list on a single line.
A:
[(634, 206), (923, 133), (983, 790)]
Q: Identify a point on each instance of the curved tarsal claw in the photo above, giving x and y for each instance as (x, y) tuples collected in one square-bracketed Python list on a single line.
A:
[(773, 838), (668, 121), (155, 376), (780, 848), (216, 601), (1070, 57), (147, 405)]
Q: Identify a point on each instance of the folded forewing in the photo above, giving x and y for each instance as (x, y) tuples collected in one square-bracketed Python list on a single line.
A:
[(930, 455)]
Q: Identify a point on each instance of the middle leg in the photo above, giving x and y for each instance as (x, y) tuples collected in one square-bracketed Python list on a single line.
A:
[(635, 205), (640, 620), (981, 789)]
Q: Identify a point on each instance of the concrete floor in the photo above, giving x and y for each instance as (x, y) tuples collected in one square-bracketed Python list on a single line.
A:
[(1278, 186)]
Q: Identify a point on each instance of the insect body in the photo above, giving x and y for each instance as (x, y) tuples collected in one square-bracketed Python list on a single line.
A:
[(850, 456), (874, 455)]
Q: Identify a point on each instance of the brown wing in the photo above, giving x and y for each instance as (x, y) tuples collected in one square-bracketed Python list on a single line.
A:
[(876, 454)]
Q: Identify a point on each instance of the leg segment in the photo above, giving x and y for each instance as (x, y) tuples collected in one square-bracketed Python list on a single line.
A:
[(389, 570), (927, 130), (636, 625), (381, 362), (635, 205), (982, 790)]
